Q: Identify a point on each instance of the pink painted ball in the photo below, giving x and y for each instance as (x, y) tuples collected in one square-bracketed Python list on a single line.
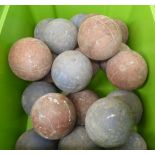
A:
[(127, 70), (82, 101), (53, 116), (99, 37), (30, 59)]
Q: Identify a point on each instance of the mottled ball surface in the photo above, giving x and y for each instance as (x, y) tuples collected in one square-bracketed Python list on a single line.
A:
[(99, 37), (77, 140), (33, 92), (53, 116), (82, 101), (78, 19), (60, 35), (71, 71), (109, 122), (40, 27), (127, 70), (132, 100), (30, 140), (124, 29), (135, 142), (30, 59)]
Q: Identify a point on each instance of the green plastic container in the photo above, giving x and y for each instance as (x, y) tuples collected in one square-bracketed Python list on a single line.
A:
[(19, 21)]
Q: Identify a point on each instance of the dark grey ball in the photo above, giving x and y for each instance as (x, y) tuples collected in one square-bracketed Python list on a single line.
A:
[(60, 35), (132, 100), (40, 27), (77, 140), (135, 142), (109, 122), (30, 140), (33, 92), (71, 71), (78, 19)]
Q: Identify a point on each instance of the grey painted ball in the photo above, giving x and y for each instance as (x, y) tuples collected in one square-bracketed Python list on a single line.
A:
[(30, 140), (33, 92), (77, 140), (71, 71), (109, 122), (132, 100), (40, 27), (60, 35), (78, 19), (135, 142)]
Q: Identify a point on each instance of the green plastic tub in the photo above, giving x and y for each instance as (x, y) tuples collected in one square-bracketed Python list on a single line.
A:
[(19, 21)]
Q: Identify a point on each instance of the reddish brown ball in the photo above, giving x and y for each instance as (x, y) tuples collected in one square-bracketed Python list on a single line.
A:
[(30, 59), (99, 37), (124, 29), (82, 101), (127, 70), (53, 116)]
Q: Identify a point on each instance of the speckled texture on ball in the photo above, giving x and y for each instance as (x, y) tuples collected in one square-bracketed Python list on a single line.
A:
[(71, 71), (109, 122), (82, 101), (33, 92), (60, 35), (135, 142), (53, 116), (132, 100), (40, 27), (77, 140), (30, 59), (127, 70), (124, 29), (78, 19), (30, 140), (99, 37)]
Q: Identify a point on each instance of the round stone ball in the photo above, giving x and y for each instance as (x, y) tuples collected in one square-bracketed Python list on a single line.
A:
[(60, 35), (30, 140), (34, 91), (127, 70), (82, 101), (77, 140), (109, 122), (40, 27), (132, 100), (30, 59), (53, 116), (124, 29), (78, 19), (71, 71), (124, 47), (135, 142), (99, 37)]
